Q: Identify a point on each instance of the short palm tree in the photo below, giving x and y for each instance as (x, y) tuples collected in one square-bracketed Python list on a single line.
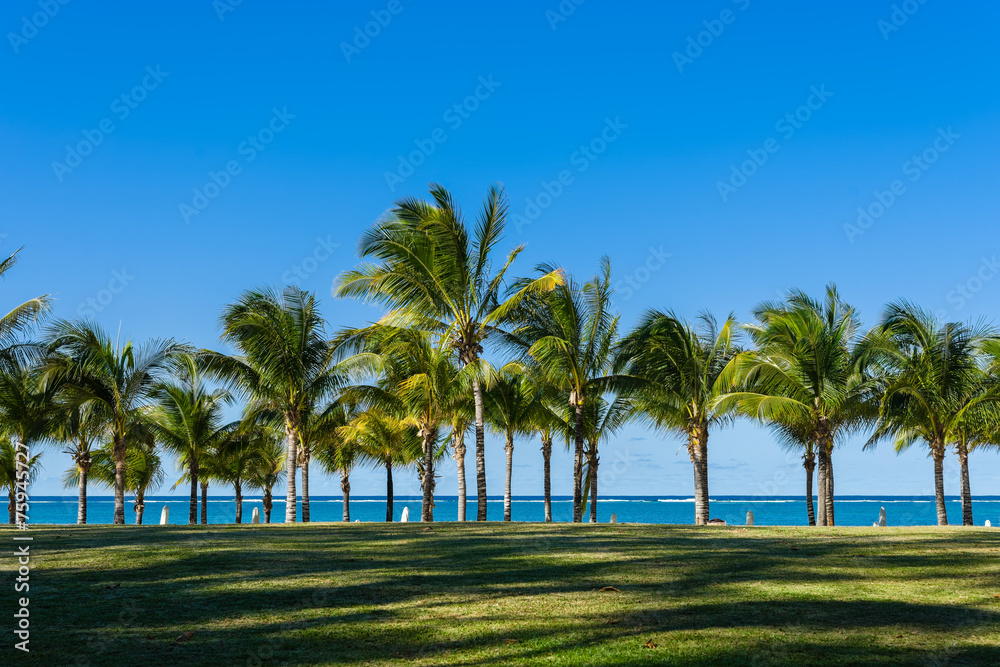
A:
[(604, 416), (931, 373), (511, 408), (17, 321), (143, 473), (803, 374), (240, 454), (117, 379), (680, 365), (338, 455), (284, 362), (434, 275), (80, 428), (267, 469)]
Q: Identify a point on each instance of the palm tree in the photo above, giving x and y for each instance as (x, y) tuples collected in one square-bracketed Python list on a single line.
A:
[(603, 418), (434, 276), (931, 371), (80, 427), (384, 440), (266, 470), (338, 455), (240, 454), (803, 374), (546, 423), (17, 321), (285, 363), (10, 469), (681, 364), (118, 380), (567, 338), (793, 437), (461, 417), (187, 419), (511, 408), (144, 473)]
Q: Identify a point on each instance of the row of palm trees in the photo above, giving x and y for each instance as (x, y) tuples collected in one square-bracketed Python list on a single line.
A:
[(465, 346)]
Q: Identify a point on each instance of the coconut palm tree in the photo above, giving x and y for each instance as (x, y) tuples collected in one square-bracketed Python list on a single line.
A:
[(267, 469), (932, 375), (80, 428), (567, 337), (511, 406), (604, 416), (795, 437), (546, 423), (10, 467), (337, 455), (13, 351), (284, 363), (187, 419), (119, 380), (241, 453), (434, 275), (461, 417), (680, 364), (143, 473), (803, 374)]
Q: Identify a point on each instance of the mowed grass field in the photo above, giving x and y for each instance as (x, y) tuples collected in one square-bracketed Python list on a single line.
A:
[(514, 594)]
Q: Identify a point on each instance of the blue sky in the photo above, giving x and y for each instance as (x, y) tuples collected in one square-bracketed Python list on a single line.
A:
[(158, 158)]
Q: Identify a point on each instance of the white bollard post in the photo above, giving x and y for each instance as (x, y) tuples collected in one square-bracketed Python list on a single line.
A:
[(256, 515), (749, 518), (988, 524), (881, 517), (614, 518), (405, 516), (165, 515)]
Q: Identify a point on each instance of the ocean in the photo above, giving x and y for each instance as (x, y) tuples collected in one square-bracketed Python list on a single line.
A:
[(771, 510)]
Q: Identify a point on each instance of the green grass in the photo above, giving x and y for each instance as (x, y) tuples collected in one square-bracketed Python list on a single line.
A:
[(511, 594)]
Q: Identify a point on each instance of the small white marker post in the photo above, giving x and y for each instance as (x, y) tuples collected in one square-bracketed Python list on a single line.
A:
[(165, 515), (749, 518), (256, 515), (405, 516)]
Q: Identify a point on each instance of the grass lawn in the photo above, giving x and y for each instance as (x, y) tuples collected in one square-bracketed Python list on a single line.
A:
[(512, 594)]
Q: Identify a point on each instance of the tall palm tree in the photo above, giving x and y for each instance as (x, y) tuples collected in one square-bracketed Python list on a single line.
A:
[(117, 379), (680, 364), (187, 419), (567, 338), (804, 374), (285, 362), (931, 371), (17, 321), (511, 408), (80, 428), (434, 275), (10, 469)]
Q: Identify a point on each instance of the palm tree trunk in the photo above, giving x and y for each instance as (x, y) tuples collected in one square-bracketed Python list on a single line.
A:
[(345, 487), (204, 502), (942, 512), (578, 464), (238, 488), (699, 461), (829, 487), (509, 448), (193, 505), (427, 506), (118, 450), (268, 504), (821, 487), (809, 463), (547, 470), (81, 502), (460, 471), (304, 449), (388, 491), (140, 506), (963, 460), (291, 466), (477, 393), (594, 462), (11, 507)]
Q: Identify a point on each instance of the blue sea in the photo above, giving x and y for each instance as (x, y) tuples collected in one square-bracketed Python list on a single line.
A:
[(771, 510)]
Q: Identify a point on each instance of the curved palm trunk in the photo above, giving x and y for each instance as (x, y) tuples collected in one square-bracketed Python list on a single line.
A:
[(594, 461), (963, 460), (821, 487), (140, 506), (345, 487), (238, 488), (118, 449), (193, 506), (427, 506), (578, 465), (388, 491), (460, 471), (268, 504), (509, 448), (829, 488), (547, 468), (699, 461), (304, 449), (809, 463), (291, 465), (204, 502), (477, 392), (81, 501), (942, 512)]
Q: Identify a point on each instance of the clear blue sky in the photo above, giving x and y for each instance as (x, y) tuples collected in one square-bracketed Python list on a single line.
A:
[(675, 117)]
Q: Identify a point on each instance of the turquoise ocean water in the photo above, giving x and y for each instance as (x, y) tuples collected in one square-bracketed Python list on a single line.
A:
[(774, 510)]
